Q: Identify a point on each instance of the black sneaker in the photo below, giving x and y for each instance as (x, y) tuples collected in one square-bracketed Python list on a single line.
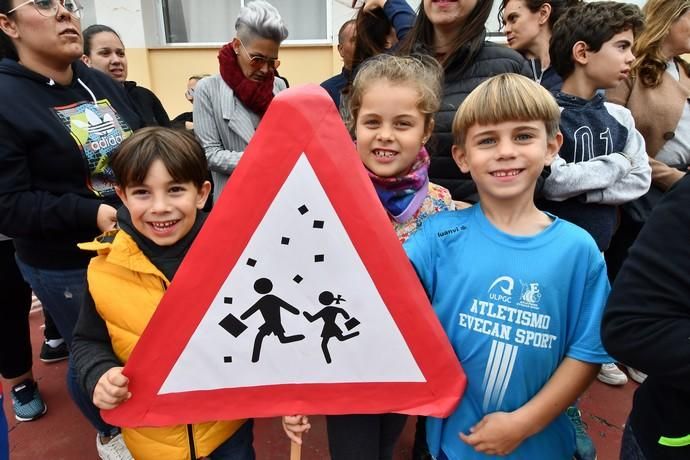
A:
[(53, 354)]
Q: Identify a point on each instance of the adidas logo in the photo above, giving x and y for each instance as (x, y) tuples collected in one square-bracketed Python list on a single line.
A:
[(99, 126), (93, 124)]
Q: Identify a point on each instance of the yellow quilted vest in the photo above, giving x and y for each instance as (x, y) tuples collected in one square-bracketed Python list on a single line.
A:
[(126, 288)]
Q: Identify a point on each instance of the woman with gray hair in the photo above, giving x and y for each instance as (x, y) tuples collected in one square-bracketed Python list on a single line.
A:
[(228, 107)]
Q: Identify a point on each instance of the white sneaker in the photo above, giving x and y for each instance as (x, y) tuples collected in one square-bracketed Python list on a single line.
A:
[(611, 375), (115, 449), (636, 375)]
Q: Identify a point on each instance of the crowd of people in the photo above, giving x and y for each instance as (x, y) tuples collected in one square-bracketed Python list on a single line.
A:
[(557, 162)]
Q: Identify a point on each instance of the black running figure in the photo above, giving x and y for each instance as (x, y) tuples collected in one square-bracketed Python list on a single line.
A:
[(269, 305), (329, 314)]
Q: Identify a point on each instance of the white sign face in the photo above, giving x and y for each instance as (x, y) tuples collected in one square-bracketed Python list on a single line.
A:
[(298, 307)]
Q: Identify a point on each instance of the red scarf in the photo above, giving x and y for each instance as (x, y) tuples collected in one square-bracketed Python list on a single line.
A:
[(253, 94)]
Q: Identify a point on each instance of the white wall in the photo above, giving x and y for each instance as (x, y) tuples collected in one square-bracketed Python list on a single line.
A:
[(125, 16)]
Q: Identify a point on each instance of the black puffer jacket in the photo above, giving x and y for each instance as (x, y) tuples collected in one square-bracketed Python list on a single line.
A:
[(491, 59)]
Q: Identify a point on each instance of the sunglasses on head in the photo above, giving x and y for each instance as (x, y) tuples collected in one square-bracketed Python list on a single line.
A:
[(259, 61)]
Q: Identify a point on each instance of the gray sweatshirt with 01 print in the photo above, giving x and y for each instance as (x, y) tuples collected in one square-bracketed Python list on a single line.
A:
[(603, 163)]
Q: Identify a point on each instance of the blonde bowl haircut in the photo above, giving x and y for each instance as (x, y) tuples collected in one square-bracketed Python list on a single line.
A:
[(506, 97), (420, 72), (659, 16)]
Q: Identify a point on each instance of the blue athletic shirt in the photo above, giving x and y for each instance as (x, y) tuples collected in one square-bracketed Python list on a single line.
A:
[(513, 307)]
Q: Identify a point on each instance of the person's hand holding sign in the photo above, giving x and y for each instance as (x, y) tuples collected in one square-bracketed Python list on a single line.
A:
[(111, 389), (294, 426)]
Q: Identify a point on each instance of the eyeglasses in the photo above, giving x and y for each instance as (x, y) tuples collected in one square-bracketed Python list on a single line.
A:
[(49, 8), (189, 93), (259, 61)]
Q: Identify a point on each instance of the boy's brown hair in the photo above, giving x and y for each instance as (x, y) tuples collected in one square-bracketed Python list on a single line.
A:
[(506, 97), (179, 151), (594, 24)]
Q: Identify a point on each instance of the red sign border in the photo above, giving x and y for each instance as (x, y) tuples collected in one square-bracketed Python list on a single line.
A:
[(300, 120)]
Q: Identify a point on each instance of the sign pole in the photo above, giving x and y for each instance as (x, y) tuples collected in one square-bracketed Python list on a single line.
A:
[(295, 451)]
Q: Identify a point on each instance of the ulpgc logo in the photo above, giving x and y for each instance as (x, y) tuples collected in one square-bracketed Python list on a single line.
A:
[(501, 290), (530, 295)]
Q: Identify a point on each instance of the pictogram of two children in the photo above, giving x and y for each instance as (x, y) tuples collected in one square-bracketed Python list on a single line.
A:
[(270, 305)]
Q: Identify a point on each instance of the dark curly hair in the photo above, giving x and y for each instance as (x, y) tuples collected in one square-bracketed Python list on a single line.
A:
[(592, 23)]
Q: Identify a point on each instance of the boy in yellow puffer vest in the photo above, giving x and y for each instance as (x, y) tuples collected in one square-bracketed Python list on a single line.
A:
[(161, 176)]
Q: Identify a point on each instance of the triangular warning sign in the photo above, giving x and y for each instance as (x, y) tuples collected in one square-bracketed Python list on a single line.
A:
[(296, 296)]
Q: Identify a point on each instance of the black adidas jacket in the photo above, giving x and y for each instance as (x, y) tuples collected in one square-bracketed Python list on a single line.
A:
[(55, 142)]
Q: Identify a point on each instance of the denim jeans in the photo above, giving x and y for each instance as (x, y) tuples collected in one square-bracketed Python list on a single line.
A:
[(630, 450), (62, 294), (238, 447)]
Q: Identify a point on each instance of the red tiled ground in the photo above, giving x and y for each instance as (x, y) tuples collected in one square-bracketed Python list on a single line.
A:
[(64, 435)]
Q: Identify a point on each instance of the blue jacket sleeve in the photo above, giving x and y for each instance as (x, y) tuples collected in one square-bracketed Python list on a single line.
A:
[(401, 15)]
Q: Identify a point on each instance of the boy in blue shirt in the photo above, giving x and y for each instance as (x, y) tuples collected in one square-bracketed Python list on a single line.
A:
[(519, 292)]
